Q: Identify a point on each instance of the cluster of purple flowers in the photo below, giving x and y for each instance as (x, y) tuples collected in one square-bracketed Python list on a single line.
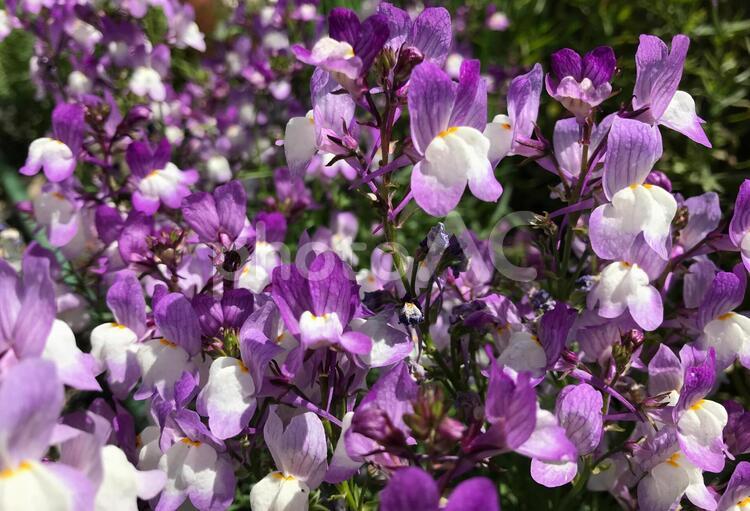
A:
[(158, 342)]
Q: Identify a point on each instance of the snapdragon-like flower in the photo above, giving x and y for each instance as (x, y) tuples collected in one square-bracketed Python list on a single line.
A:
[(581, 84), (723, 330), (157, 180), (350, 49), (625, 285), (429, 33), (446, 119), (318, 307), (57, 155), (299, 451), (658, 74), (217, 217), (511, 134), (332, 116), (636, 206), (31, 397)]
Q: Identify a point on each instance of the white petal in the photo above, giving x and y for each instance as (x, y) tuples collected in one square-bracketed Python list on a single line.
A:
[(500, 134), (299, 142), (277, 492), (32, 487)]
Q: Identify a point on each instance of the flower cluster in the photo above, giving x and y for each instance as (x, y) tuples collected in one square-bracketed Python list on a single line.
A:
[(162, 346)]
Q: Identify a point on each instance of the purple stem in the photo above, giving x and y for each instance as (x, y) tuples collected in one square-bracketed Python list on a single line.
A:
[(300, 402), (599, 383)]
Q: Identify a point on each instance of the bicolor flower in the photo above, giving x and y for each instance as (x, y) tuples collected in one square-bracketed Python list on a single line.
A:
[(299, 450), (166, 361), (228, 398), (350, 49), (217, 216), (723, 330), (736, 496), (74, 367), (115, 345), (146, 82), (673, 477), (511, 134), (446, 119), (57, 155), (378, 420), (636, 207), (579, 411), (27, 307), (413, 489), (196, 468), (157, 180), (700, 422), (523, 351), (581, 84), (330, 116), (739, 227), (429, 33), (318, 307), (658, 74), (625, 285), (122, 484), (566, 141), (31, 398)]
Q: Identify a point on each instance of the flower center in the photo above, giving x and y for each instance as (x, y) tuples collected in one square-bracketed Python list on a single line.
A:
[(10, 472)]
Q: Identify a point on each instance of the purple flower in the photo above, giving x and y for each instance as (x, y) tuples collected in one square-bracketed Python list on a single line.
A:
[(114, 345), (31, 398), (511, 134), (581, 84), (350, 49), (27, 306), (700, 422), (318, 306), (378, 421), (737, 493), (579, 412), (299, 450), (669, 475), (217, 216), (195, 465), (413, 489), (429, 34), (739, 228), (331, 116), (722, 329), (58, 155), (446, 119), (624, 285), (632, 149), (659, 71), (157, 180)]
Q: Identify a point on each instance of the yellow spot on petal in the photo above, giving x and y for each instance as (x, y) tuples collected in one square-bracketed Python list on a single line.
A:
[(168, 343), (153, 173), (118, 325), (191, 443), (673, 460), (242, 366), (726, 316), (625, 264), (10, 472), (536, 339), (744, 502), (648, 186), (447, 132), (58, 195), (697, 406), (506, 126), (281, 476)]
